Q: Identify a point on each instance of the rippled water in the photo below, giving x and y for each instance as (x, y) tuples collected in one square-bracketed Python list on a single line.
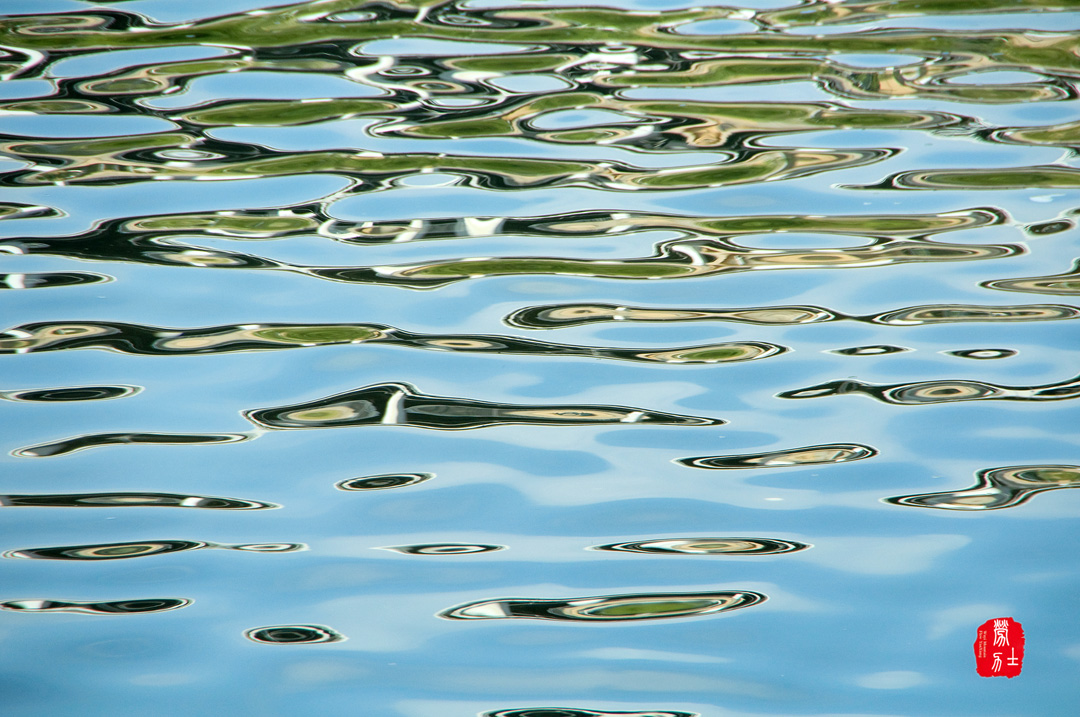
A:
[(634, 444)]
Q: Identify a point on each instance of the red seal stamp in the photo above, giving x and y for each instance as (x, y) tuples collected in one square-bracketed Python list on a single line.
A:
[(999, 648)]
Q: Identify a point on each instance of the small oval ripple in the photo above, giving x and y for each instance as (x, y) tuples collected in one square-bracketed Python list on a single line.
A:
[(293, 635), (878, 350), (384, 482), (74, 393), (107, 551), (707, 546), (444, 548), (51, 279), (983, 354), (805, 456), (643, 606)]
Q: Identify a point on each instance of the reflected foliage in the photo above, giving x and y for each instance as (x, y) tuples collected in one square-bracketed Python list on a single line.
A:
[(642, 606), (144, 238), (575, 712), (673, 260), (50, 279), (553, 316), (1041, 177), (383, 482), (444, 549), (822, 12), (18, 210), (593, 46), (707, 246), (707, 546), (162, 341), (806, 456), (108, 551), (75, 393), (111, 162), (293, 635), (132, 500), (998, 488), (487, 125), (115, 607), (965, 313), (983, 354), (1066, 284), (385, 404), (877, 350), (399, 404), (123, 551), (93, 440), (946, 391)]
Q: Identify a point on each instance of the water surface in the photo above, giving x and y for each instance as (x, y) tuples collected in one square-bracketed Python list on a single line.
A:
[(687, 361)]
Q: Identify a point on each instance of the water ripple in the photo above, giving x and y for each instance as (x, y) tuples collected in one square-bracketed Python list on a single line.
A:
[(365, 150), (385, 404), (383, 482), (162, 241), (643, 606), (805, 456), (162, 341), (293, 635), (1065, 284), (73, 393), (114, 607), (122, 551), (93, 440), (944, 391), (552, 316), (707, 546), (983, 354), (677, 259), (998, 488), (400, 404), (443, 549), (1037, 177), (130, 238), (576, 712), (876, 350), (50, 279), (18, 210), (133, 500), (121, 161)]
